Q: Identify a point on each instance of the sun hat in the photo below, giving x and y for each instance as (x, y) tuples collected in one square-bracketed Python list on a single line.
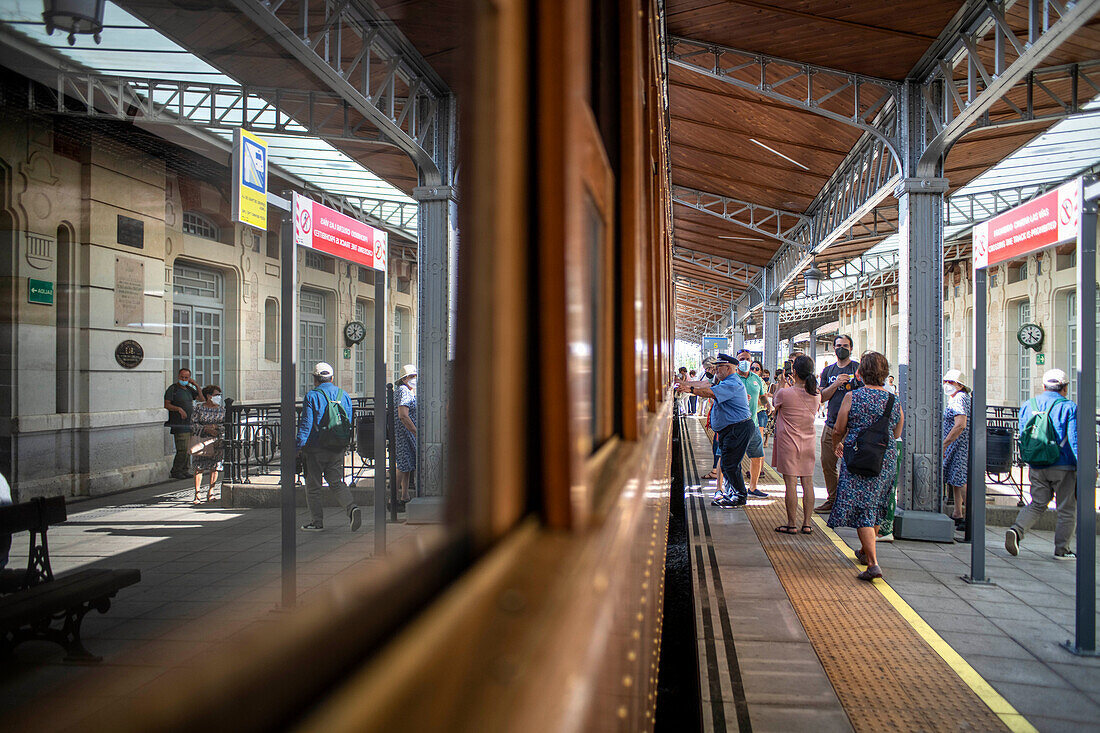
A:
[(323, 369), (409, 370), (954, 375), (1055, 378)]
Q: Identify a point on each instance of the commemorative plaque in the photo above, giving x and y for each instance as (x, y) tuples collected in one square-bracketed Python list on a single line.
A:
[(129, 354)]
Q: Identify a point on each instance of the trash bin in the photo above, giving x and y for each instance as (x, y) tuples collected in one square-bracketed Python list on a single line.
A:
[(364, 437), (998, 450)]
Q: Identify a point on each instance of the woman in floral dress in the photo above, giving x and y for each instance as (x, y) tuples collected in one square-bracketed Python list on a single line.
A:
[(406, 431), (208, 423), (861, 501), (956, 440)]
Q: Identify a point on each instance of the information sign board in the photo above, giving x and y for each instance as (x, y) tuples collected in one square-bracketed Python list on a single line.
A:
[(712, 343), (39, 291), (1048, 220), (249, 179), (327, 230)]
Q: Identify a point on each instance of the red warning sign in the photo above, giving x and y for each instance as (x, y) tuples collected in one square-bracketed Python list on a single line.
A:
[(1048, 220)]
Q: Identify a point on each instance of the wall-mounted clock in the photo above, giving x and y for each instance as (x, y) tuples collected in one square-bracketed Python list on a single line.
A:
[(1031, 335), (354, 332)]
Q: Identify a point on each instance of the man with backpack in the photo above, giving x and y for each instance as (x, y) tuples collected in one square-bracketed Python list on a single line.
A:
[(324, 432), (1048, 444)]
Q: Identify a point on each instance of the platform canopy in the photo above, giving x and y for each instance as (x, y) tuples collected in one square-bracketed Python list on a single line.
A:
[(787, 124)]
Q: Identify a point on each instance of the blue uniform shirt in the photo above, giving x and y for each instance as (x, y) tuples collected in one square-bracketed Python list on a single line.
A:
[(1064, 418), (731, 403), (314, 407)]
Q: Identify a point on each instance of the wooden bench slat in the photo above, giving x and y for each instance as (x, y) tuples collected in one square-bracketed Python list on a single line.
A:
[(61, 593), (35, 514)]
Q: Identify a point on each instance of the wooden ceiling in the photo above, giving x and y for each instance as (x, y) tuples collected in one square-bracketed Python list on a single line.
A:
[(718, 131)]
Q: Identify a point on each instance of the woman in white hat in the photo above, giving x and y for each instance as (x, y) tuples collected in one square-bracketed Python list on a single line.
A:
[(405, 440), (956, 439)]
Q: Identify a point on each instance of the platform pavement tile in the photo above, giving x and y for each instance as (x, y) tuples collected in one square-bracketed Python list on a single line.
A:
[(982, 593), (1066, 704), (972, 623), (997, 669), (785, 718), (763, 619), (752, 582), (1046, 724), (937, 604), (1044, 644), (784, 672), (921, 588), (912, 575), (1014, 610), (1000, 645), (1048, 598), (727, 556), (137, 629)]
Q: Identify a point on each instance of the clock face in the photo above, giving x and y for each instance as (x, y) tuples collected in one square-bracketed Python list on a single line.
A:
[(1030, 334), (355, 331)]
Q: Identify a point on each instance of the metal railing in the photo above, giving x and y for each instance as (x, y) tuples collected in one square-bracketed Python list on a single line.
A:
[(252, 439)]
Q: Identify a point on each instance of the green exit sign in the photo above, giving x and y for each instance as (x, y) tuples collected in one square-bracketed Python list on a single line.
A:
[(39, 291), (1040, 359)]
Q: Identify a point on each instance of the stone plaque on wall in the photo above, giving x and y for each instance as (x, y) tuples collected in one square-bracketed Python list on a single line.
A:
[(129, 292)]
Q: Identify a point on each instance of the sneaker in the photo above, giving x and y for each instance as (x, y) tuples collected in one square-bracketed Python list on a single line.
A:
[(870, 573), (1065, 555), (356, 518), (758, 492), (719, 500), (885, 537), (825, 508), (1012, 542), (861, 558), (313, 527)]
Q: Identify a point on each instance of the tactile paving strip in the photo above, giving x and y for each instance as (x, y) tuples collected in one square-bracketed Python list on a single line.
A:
[(886, 676)]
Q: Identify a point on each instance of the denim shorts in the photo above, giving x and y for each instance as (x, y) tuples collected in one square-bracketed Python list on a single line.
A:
[(762, 419), (756, 446)]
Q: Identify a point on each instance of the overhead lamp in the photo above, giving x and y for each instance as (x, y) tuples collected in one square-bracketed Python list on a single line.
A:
[(74, 16), (813, 278), (750, 328)]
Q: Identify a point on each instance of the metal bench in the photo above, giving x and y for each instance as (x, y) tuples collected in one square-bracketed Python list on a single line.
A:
[(34, 599)]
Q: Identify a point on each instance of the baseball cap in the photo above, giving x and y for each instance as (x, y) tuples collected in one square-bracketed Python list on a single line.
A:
[(322, 369), (1055, 378)]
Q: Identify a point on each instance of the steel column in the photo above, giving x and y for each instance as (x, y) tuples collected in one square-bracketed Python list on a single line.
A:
[(381, 407), (920, 332), (1085, 641), (288, 388), (433, 327), (771, 321), (813, 345), (975, 498)]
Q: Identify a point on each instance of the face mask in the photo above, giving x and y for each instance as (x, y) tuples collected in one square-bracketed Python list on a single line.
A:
[(948, 390), (412, 383), (216, 399), (183, 382), (744, 365), (842, 353)]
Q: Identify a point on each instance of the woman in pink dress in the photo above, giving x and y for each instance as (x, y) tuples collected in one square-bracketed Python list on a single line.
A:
[(793, 450)]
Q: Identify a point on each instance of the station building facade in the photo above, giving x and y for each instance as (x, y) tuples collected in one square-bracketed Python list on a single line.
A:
[(133, 236), (1040, 289)]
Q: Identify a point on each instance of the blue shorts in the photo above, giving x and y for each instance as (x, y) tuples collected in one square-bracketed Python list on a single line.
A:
[(762, 419), (756, 446)]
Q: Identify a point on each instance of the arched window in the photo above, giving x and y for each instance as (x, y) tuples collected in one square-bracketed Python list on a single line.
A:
[(271, 329), (198, 225)]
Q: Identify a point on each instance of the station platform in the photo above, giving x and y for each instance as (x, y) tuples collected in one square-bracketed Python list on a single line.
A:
[(789, 639)]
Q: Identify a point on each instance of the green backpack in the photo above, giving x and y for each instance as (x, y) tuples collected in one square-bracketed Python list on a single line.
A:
[(1039, 445), (334, 429)]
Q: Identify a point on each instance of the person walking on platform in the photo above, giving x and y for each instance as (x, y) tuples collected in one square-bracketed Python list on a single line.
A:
[(837, 381), (793, 450), (956, 440), (1048, 444), (323, 436), (866, 420), (755, 391), (693, 400), (731, 419)]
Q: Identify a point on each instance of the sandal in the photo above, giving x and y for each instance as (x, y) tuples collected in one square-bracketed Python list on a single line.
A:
[(787, 529), (712, 474), (861, 557), (807, 529)]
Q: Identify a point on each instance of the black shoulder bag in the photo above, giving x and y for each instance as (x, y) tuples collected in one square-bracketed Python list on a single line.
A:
[(865, 457)]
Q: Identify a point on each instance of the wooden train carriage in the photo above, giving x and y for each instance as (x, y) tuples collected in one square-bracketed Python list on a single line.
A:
[(538, 607)]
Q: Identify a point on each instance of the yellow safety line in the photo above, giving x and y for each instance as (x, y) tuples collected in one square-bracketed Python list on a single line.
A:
[(1000, 707)]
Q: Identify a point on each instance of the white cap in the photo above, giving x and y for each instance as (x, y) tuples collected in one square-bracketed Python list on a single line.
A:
[(323, 369), (954, 375), (1055, 378)]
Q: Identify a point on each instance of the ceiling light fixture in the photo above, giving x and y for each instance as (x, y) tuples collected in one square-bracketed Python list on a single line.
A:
[(773, 150), (744, 239)]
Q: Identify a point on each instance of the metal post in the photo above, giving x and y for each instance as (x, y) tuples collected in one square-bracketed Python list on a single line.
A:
[(975, 500), (288, 389), (379, 413), (738, 339), (812, 351), (1085, 643), (391, 435)]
